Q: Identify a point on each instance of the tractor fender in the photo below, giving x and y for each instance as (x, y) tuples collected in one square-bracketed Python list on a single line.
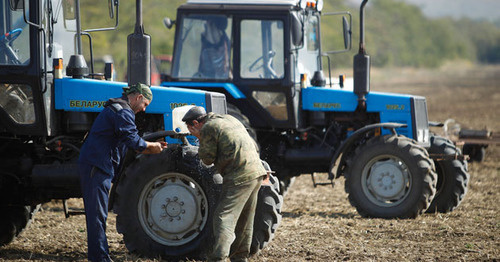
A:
[(131, 155), (348, 145)]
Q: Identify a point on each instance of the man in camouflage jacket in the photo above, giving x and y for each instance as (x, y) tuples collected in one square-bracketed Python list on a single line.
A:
[(225, 142)]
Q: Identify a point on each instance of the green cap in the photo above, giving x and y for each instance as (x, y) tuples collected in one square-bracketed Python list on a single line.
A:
[(141, 89)]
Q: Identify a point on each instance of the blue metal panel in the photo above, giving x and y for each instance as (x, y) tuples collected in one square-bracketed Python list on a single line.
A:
[(84, 95), (325, 99), (378, 102), (229, 87), (394, 108), (88, 95)]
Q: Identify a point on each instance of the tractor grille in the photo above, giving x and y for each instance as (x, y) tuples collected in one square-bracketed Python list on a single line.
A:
[(216, 102), (420, 121)]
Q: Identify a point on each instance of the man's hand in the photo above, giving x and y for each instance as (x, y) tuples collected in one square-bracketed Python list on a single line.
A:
[(154, 147)]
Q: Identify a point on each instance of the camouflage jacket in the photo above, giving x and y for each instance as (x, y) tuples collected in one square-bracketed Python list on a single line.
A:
[(225, 142)]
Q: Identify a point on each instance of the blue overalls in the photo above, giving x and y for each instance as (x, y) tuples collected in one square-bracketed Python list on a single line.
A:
[(113, 132)]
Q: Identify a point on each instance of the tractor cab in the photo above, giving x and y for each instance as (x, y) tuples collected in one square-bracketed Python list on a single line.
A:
[(255, 52)]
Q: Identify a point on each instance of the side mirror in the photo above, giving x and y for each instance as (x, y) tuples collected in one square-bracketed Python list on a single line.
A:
[(16, 4), (347, 32), (168, 22), (297, 32)]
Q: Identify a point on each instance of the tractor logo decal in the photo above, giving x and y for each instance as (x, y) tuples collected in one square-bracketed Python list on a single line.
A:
[(86, 103), (174, 105), (395, 107), (327, 105)]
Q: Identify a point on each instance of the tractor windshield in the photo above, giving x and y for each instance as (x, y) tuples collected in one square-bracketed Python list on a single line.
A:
[(14, 36), (203, 47)]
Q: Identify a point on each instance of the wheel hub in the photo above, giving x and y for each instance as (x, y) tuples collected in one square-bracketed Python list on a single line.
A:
[(387, 180), (173, 209)]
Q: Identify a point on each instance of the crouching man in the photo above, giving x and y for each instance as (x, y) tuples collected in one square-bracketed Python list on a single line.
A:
[(225, 142)]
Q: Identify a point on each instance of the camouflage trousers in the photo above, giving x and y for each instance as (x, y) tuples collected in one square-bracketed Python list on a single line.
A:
[(233, 221)]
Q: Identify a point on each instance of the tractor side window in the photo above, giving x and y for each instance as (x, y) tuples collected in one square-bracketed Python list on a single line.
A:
[(262, 49), (17, 101), (63, 42), (312, 34), (204, 46), (14, 37), (308, 55), (273, 102)]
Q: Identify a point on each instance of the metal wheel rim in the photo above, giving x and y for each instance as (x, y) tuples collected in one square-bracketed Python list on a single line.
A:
[(386, 180), (173, 209)]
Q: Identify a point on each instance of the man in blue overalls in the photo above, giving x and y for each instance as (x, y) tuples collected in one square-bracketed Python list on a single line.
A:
[(113, 132)]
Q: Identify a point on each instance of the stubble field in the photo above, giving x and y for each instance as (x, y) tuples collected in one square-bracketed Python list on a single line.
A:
[(319, 224)]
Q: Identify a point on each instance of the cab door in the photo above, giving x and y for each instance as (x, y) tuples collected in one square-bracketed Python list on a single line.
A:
[(262, 70), (21, 103)]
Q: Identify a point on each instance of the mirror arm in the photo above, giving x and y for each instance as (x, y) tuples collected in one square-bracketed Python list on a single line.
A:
[(329, 68), (350, 32), (26, 20), (91, 52), (107, 28)]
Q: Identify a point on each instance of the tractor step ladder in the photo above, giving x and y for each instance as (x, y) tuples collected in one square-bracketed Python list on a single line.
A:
[(68, 212), (321, 183)]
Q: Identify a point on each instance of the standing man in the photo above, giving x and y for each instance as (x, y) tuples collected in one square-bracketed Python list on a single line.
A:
[(113, 132), (225, 142)]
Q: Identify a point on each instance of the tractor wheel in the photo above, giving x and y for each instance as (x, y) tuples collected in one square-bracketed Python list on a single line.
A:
[(452, 177), (13, 220), (475, 152), (164, 205), (390, 177), (236, 113), (267, 215)]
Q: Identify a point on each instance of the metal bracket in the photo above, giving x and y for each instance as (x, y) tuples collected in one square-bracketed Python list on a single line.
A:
[(68, 213), (322, 183)]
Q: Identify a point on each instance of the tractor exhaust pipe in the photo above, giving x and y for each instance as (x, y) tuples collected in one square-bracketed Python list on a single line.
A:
[(362, 63), (139, 52)]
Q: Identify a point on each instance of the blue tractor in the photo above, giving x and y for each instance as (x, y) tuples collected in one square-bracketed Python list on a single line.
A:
[(266, 57), (48, 100)]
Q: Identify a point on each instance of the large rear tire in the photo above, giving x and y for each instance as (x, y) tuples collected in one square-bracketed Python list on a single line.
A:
[(453, 178), (267, 215), (164, 205), (236, 113), (390, 177)]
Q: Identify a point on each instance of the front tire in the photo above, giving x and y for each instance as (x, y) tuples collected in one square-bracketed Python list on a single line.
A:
[(390, 177), (452, 177), (164, 205), (13, 221)]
